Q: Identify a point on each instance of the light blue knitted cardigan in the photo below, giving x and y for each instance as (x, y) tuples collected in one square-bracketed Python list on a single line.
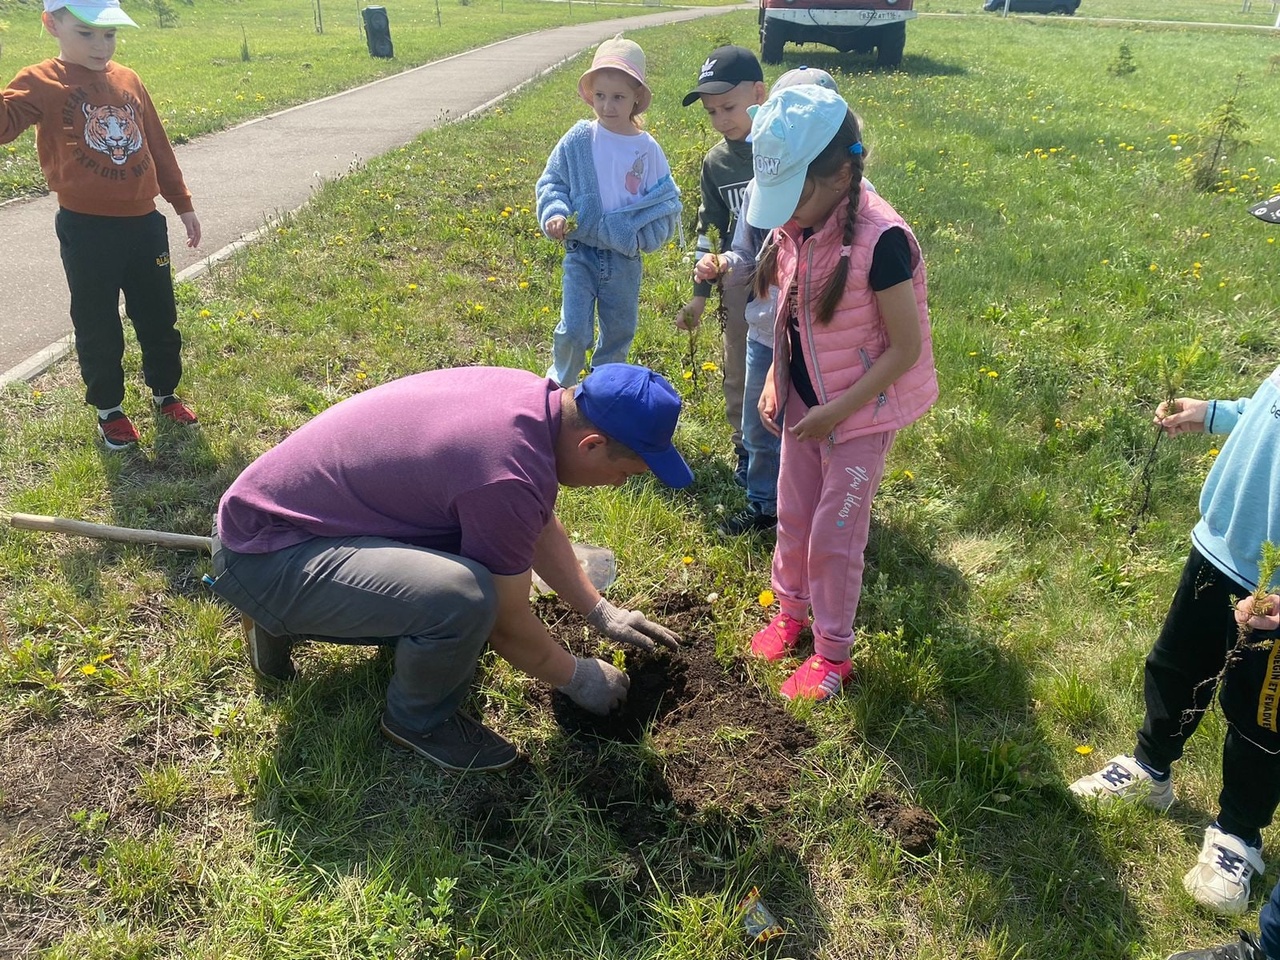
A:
[(569, 186)]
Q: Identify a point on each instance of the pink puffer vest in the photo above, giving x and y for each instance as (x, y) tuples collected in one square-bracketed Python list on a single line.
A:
[(840, 351)]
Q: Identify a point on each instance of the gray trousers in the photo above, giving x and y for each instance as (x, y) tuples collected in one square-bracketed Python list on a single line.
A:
[(437, 609)]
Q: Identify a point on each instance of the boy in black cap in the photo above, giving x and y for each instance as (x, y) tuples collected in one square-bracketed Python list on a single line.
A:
[(729, 81)]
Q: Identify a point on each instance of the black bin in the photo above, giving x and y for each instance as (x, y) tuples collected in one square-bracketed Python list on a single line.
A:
[(377, 31)]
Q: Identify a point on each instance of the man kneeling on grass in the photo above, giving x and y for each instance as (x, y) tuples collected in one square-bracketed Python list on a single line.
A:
[(415, 514)]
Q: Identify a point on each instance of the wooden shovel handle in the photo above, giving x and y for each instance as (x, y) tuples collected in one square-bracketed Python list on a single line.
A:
[(103, 531)]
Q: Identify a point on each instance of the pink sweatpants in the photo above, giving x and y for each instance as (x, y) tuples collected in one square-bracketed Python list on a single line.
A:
[(824, 516)]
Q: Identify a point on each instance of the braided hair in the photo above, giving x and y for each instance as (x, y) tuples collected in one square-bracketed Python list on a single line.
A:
[(845, 149)]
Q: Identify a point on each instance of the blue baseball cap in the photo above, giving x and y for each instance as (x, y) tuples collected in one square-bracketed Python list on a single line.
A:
[(787, 132), (639, 408)]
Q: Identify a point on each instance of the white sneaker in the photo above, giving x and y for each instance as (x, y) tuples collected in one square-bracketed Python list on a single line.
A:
[(1123, 778), (1220, 878)]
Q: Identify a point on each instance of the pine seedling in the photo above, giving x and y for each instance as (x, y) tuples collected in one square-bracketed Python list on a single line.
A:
[(1172, 378), (1262, 607), (1262, 592)]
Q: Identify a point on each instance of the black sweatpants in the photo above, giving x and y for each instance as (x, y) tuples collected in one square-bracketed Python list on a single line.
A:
[(1181, 672), (102, 257)]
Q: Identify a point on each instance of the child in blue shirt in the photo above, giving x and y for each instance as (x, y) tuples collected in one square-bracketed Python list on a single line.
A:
[(1239, 511), (607, 193)]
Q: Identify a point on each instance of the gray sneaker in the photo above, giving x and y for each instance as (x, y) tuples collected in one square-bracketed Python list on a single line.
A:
[(1124, 778), (460, 743), (1246, 948), (268, 653)]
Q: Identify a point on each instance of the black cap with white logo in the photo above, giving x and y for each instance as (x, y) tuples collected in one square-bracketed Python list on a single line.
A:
[(725, 69)]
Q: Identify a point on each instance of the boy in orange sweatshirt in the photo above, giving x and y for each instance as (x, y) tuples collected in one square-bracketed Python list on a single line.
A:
[(104, 153)]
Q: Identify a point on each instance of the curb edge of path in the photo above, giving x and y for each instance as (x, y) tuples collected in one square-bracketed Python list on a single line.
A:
[(43, 359)]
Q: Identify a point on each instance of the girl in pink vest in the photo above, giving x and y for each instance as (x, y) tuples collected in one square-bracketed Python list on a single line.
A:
[(852, 364)]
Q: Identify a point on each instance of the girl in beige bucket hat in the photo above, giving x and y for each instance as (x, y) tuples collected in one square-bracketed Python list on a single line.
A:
[(626, 56), (606, 194)]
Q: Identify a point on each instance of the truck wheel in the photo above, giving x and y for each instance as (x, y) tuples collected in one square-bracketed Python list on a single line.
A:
[(773, 37), (893, 39)]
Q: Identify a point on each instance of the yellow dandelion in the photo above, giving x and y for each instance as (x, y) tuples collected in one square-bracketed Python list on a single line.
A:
[(361, 375), (1213, 451), (205, 314), (524, 284), (1084, 749), (688, 374), (88, 669), (992, 374), (412, 287), (766, 598), (709, 366), (686, 560)]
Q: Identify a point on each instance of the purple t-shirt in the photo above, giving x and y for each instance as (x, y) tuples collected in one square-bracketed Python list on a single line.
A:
[(458, 460)]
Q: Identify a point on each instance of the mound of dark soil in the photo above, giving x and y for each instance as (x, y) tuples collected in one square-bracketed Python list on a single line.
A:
[(913, 827), (721, 744)]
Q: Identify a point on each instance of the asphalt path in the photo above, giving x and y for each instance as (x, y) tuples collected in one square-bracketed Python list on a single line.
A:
[(245, 178)]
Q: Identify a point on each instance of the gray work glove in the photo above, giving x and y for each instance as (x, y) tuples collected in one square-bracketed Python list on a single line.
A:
[(630, 626), (596, 686)]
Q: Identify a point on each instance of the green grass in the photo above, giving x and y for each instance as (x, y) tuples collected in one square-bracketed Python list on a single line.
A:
[(200, 82), (1006, 611)]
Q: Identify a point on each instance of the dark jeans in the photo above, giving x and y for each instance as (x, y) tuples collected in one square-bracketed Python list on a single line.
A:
[(1179, 683), (1269, 924), (102, 257), (437, 609)]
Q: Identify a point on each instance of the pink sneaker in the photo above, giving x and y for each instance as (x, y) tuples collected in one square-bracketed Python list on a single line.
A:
[(777, 639), (817, 679)]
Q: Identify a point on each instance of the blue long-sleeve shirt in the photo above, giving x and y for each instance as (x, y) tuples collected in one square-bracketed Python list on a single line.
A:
[(1240, 501), (568, 187)]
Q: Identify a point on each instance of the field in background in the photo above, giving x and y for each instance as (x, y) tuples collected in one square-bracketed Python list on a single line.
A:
[(154, 803), (225, 61), (1260, 12)]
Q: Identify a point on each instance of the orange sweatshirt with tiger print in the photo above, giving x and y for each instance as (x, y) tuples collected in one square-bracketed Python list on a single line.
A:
[(102, 147)]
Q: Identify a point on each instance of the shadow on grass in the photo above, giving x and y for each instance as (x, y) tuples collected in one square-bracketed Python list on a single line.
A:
[(953, 711), (171, 483)]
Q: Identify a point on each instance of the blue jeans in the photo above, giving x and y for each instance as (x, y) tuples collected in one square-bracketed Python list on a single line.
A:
[(763, 448), (595, 280), (1269, 924)]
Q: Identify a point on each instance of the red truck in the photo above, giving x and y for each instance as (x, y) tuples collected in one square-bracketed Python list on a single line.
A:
[(847, 25)]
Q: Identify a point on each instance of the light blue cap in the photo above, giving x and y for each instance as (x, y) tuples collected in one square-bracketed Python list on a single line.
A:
[(787, 132)]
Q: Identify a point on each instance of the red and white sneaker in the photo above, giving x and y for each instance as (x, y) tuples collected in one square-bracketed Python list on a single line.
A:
[(778, 638), (817, 679), (174, 409), (117, 431)]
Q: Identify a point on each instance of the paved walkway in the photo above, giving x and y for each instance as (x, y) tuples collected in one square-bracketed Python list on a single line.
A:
[(245, 177)]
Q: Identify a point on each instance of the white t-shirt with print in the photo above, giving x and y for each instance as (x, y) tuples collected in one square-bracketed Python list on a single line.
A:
[(626, 166)]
